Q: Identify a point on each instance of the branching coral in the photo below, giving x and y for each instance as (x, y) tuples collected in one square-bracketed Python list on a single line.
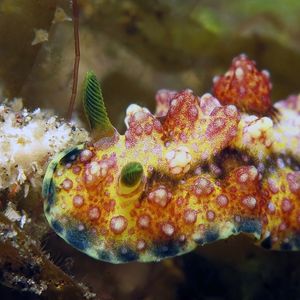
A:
[(28, 140), (199, 172)]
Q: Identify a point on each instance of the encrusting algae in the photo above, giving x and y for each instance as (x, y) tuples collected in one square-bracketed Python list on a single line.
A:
[(201, 169)]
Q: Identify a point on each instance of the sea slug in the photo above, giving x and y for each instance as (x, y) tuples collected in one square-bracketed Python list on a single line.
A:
[(199, 170)]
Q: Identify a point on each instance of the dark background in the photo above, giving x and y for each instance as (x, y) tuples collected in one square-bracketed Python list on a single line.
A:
[(135, 48)]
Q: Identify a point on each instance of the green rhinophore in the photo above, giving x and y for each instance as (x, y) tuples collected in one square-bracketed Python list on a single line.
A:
[(94, 107), (131, 174)]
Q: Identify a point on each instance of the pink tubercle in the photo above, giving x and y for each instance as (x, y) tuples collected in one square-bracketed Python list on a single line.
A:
[(249, 201), (222, 200), (168, 229), (78, 201), (286, 205), (67, 184), (210, 215), (118, 224), (144, 221), (94, 213), (86, 155), (293, 180), (141, 245), (203, 187), (190, 216)]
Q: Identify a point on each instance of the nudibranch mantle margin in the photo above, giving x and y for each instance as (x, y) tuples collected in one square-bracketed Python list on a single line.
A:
[(199, 170)]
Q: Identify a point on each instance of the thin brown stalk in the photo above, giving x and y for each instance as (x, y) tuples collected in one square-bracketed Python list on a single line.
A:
[(75, 10)]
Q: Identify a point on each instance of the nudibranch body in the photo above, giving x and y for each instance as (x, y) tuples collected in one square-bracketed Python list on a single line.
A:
[(196, 172)]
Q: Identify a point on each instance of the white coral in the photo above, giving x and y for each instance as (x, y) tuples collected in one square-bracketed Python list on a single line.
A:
[(28, 140)]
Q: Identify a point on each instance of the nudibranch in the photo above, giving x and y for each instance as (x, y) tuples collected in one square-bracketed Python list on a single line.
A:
[(201, 169)]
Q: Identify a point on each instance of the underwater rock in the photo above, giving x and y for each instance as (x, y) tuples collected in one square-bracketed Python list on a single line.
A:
[(26, 268)]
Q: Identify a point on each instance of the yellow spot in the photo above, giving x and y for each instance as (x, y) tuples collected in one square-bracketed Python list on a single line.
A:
[(41, 36), (60, 16)]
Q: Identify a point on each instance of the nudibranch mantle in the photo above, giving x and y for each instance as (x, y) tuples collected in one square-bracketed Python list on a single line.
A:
[(199, 170)]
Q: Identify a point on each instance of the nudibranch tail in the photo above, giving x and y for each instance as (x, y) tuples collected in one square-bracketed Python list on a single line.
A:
[(196, 172), (94, 107)]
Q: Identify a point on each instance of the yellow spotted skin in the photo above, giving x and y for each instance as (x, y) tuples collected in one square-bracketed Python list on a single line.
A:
[(209, 172)]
